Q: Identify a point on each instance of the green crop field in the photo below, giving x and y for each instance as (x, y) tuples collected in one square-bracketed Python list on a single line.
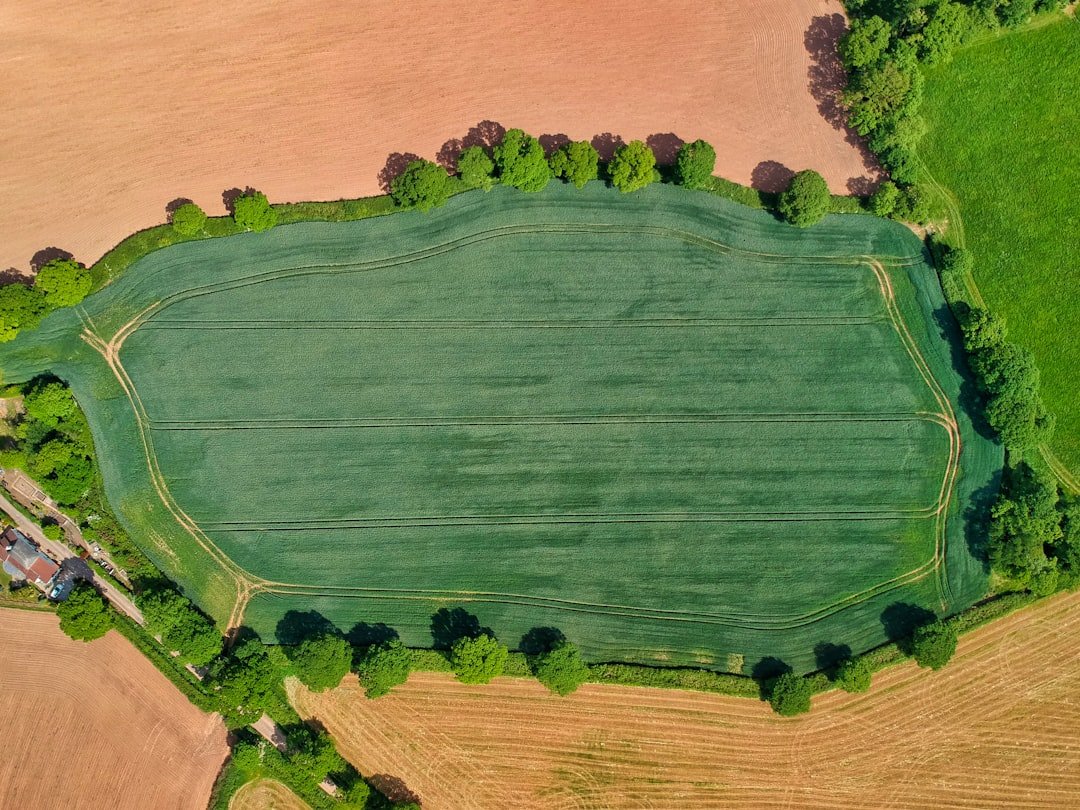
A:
[(1003, 124), (668, 425)]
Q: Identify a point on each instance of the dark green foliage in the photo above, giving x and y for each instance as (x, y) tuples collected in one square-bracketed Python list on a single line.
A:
[(322, 661), (958, 262), (632, 167), (883, 201), (382, 667), (253, 212), (64, 282), (188, 219), (577, 162), (879, 95), (312, 752), (21, 307), (56, 439), (866, 42), (695, 163), (948, 25), (854, 675), (1024, 523), (475, 168), (245, 681), (181, 626), (913, 205), (84, 615), (1014, 13), (806, 200), (521, 162), (1066, 550), (561, 668), (50, 403), (423, 185), (478, 660), (789, 694), (933, 644)]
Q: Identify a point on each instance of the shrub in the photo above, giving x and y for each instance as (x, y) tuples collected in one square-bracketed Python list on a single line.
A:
[(253, 212), (883, 201), (423, 185), (576, 162), (64, 282), (694, 164), (854, 675), (632, 167), (478, 660), (382, 667), (934, 644), (321, 662), (475, 168), (188, 219), (521, 162), (561, 669), (84, 615), (806, 200), (790, 694)]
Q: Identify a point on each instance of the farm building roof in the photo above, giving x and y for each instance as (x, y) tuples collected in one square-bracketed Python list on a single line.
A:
[(18, 553)]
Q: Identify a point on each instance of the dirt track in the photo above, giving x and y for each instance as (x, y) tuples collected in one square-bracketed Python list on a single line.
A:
[(1000, 727), (96, 726), (115, 113)]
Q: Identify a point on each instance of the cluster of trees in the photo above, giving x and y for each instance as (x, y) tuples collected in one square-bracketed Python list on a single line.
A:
[(58, 283), (183, 628), (84, 615)]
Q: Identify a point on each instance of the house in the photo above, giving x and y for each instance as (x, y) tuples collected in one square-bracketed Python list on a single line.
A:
[(24, 560)]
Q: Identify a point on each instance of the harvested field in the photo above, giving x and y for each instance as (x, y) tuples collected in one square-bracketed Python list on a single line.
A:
[(96, 726), (999, 727), (113, 114), (266, 794)]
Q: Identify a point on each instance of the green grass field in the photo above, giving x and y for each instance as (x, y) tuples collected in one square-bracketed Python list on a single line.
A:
[(670, 426), (1003, 139)]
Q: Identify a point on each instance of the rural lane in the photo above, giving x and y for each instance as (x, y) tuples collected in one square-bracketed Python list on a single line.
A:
[(61, 552)]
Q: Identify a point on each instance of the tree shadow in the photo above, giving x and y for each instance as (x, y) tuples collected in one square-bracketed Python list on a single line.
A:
[(448, 154), (13, 275), (396, 163), (540, 640), (828, 656), (364, 634), (970, 398), (450, 624), (487, 134), (171, 207), (901, 619), (605, 144), (861, 186), (230, 195), (977, 519), (552, 143), (665, 145), (766, 671), (393, 788), (297, 625), (771, 177), (46, 255)]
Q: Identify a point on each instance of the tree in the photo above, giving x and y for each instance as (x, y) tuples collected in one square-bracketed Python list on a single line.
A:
[(1024, 522), (913, 205), (561, 669), (478, 660), (883, 93), (182, 627), (883, 201), (632, 167), (84, 615), (21, 307), (321, 662), (694, 164), (577, 162), (959, 261), (1067, 549), (475, 168), (245, 680), (50, 403), (944, 32), (854, 675), (188, 219), (806, 200), (313, 752), (383, 666), (790, 694), (253, 212), (934, 644), (865, 43), (64, 282), (521, 162), (423, 185)]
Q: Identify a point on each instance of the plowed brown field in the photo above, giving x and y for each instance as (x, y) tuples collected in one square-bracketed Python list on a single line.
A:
[(266, 794), (113, 109), (96, 726), (999, 727)]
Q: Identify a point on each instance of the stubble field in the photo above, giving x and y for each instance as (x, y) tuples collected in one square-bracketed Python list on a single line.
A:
[(96, 726)]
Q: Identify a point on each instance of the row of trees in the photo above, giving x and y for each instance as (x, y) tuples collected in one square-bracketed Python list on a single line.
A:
[(61, 282)]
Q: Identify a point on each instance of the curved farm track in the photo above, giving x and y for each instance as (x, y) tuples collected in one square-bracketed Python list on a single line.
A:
[(998, 728), (96, 726), (125, 112), (266, 794)]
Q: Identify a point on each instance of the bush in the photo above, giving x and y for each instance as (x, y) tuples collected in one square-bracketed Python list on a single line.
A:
[(576, 162), (321, 662), (883, 201), (188, 219), (561, 668), (475, 168), (64, 282), (478, 660), (694, 164), (632, 167), (382, 667), (521, 162), (934, 644), (790, 694), (253, 212), (806, 200), (423, 185), (854, 675), (84, 615)]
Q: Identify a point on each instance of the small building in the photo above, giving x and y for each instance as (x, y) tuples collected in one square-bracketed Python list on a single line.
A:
[(22, 559)]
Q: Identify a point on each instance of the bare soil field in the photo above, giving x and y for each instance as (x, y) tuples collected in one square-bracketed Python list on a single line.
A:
[(96, 726), (114, 113), (999, 727), (266, 794)]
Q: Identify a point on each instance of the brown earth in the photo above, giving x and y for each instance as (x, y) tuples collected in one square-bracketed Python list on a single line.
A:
[(998, 728), (96, 726), (266, 794), (113, 110)]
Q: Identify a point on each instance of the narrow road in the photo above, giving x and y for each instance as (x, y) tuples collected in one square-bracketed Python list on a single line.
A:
[(60, 552)]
